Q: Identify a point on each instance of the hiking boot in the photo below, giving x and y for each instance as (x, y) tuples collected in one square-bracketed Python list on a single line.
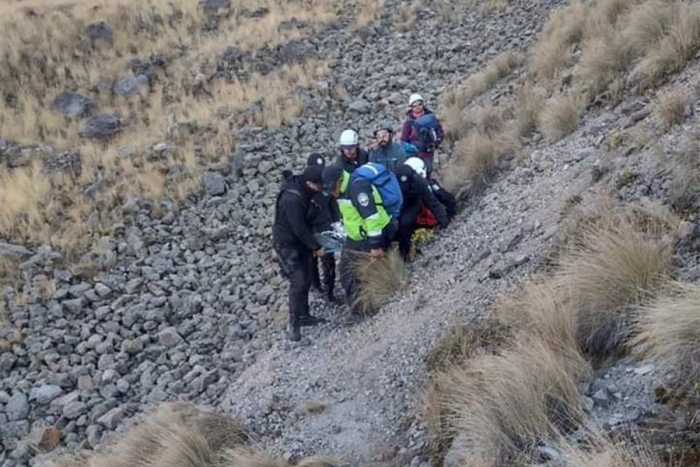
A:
[(293, 334), (310, 320)]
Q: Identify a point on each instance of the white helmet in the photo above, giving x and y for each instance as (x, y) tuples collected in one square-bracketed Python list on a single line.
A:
[(348, 138), (417, 164), (414, 98)]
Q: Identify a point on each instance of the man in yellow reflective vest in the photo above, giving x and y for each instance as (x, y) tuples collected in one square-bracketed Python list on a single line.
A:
[(368, 226)]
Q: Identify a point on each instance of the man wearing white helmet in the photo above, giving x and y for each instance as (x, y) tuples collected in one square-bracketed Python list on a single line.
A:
[(423, 130), (351, 155), (417, 194)]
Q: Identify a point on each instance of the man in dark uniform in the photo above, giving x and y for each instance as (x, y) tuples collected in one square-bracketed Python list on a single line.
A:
[(324, 212), (295, 244), (416, 194)]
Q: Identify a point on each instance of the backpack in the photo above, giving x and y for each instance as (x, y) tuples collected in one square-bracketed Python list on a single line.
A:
[(410, 149), (386, 183), (427, 128)]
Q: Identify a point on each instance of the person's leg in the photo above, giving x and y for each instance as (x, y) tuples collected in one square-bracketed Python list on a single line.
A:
[(407, 225), (446, 199), (315, 277), (328, 262), (305, 318)]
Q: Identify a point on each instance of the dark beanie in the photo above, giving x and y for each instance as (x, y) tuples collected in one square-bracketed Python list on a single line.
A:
[(331, 175), (314, 174), (316, 159)]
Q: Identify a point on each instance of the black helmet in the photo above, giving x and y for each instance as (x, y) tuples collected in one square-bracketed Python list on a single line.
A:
[(384, 125)]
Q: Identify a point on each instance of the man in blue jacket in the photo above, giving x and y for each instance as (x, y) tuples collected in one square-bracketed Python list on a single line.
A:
[(385, 151)]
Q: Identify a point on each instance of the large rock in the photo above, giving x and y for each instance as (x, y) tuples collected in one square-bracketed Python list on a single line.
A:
[(214, 6), (113, 418), (13, 252), (132, 85), (214, 183), (73, 105), (99, 33), (45, 394), (360, 106), (18, 407), (75, 409), (169, 337), (101, 127)]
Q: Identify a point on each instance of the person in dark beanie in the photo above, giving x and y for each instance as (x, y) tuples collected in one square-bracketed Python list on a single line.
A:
[(324, 212), (295, 244)]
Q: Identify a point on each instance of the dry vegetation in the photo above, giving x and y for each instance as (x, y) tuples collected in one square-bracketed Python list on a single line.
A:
[(173, 128), (378, 279), (671, 108), (182, 435), (559, 118), (500, 390), (622, 43), (669, 328)]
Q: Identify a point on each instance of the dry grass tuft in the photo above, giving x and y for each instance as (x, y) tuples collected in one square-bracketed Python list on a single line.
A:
[(671, 108), (685, 183), (529, 102), (609, 270), (452, 105), (461, 343), (503, 405), (182, 435), (499, 68), (475, 165), (565, 27), (560, 117), (672, 51), (601, 451), (669, 327), (378, 279), (541, 309)]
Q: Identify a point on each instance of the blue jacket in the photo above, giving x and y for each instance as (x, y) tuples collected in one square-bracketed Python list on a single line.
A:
[(391, 157)]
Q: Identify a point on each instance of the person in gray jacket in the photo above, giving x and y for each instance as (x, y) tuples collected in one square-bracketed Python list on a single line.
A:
[(385, 151)]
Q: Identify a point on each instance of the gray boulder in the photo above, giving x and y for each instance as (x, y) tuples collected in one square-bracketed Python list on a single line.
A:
[(13, 252), (101, 127), (214, 183), (73, 105), (18, 407), (169, 337), (99, 32), (45, 394), (360, 106), (214, 6), (132, 85)]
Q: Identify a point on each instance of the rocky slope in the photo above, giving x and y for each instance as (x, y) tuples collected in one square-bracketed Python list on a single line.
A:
[(190, 308)]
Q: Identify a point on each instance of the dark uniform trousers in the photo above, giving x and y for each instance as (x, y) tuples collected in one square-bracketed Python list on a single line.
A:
[(296, 266), (328, 266)]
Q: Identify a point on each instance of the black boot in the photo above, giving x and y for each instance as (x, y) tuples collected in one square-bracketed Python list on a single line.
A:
[(294, 333)]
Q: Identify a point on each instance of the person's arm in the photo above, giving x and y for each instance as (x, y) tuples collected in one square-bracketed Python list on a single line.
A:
[(406, 131), (295, 211), (362, 197), (429, 198), (440, 132)]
